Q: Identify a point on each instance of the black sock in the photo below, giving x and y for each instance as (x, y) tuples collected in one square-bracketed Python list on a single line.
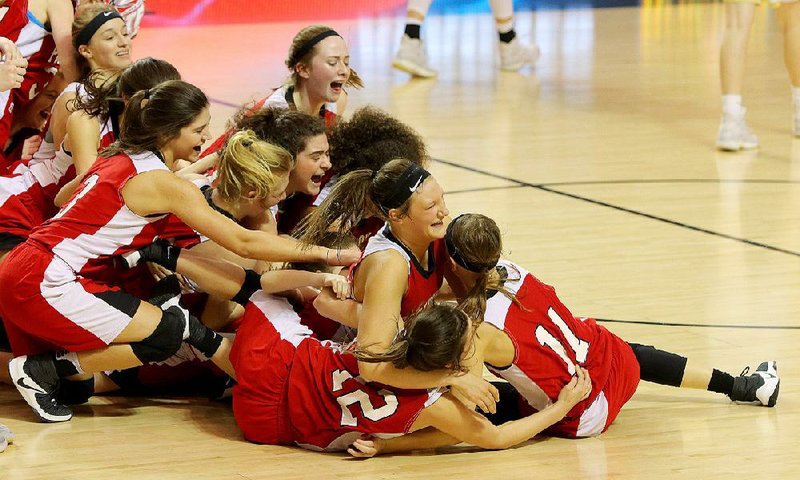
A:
[(721, 382), (75, 392), (508, 36), (412, 30), (64, 367)]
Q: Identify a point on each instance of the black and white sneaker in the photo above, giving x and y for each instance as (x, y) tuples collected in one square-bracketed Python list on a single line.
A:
[(759, 388), (36, 379)]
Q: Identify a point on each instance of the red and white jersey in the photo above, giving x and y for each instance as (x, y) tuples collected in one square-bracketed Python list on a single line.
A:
[(27, 196), (95, 224), (292, 388), (13, 18), (36, 44), (423, 283), (549, 343), (283, 98)]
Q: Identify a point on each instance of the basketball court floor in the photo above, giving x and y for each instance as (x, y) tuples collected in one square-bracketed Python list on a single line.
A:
[(599, 165)]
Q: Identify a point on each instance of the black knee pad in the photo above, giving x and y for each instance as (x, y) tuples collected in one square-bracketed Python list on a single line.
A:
[(165, 340), (658, 366)]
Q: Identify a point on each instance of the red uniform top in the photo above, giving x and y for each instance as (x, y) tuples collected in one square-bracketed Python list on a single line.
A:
[(549, 342), (292, 388), (27, 199), (13, 18), (423, 283), (95, 224), (278, 98)]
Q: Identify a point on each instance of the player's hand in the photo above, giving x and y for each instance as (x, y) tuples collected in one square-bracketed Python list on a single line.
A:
[(366, 447), (342, 289), (12, 73), (578, 389), (476, 390), (30, 146), (10, 51), (337, 257)]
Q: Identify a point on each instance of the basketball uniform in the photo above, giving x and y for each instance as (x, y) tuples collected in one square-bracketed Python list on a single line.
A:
[(50, 295), (549, 343), (423, 283), (27, 198), (294, 389)]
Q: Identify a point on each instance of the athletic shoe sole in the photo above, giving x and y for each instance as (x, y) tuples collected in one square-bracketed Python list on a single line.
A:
[(413, 69), (28, 388)]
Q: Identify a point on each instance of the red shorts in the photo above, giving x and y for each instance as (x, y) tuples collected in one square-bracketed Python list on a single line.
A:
[(24, 205), (619, 388), (45, 305), (262, 360)]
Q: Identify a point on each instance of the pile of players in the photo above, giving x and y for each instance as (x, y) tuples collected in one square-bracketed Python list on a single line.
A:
[(244, 284)]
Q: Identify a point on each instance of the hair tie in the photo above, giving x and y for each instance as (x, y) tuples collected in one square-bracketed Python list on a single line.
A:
[(147, 94), (407, 183), (85, 35), (247, 142), (456, 255), (306, 47)]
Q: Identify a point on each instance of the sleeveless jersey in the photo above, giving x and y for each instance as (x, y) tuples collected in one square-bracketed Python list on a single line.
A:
[(95, 224), (423, 283), (27, 197), (292, 388), (549, 342)]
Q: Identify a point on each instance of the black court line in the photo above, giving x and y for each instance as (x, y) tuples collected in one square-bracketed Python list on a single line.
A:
[(546, 188), (668, 324), (485, 189)]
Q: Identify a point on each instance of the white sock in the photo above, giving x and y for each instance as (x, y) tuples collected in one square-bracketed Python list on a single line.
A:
[(732, 104)]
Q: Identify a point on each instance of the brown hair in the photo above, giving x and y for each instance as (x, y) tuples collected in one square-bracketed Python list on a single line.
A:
[(433, 338), (286, 128), (156, 115), (372, 137), (142, 74), (83, 16), (298, 42), (249, 162), (479, 242), (351, 199)]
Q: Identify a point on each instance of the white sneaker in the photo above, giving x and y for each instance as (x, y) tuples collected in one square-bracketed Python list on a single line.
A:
[(734, 134), (6, 437), (411, 58), (514, 55)]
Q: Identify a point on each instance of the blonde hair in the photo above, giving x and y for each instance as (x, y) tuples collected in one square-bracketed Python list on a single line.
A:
[(250, 163)]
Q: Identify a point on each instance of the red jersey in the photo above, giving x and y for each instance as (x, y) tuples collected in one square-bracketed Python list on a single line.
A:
[(27, 199), (549, 343), (13, 18), (279, 98), (423, 283), (292, 388), (95, 225)]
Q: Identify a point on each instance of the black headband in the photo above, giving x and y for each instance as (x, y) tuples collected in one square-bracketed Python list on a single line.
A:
[(408, 183), (306, 47), (85, 35), (458, 258)]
